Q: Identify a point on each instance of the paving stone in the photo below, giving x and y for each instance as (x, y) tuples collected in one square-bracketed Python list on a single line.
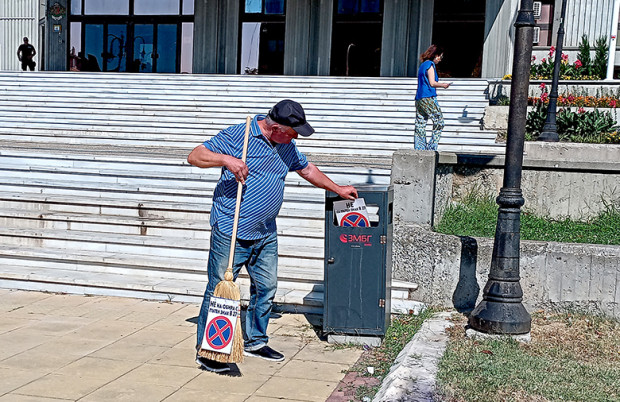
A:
[(296, 389), (107, 349), (13, 378), (193, 395), (97, 368), (62, 386), (129, 351), (58, 325), (255, 398), (123, 390), (28, 398), (222, 384), (108, 329), (40, 357), (11, 323), (257, 365), (184, 357), (158, 337), (173, 376), (287, 345), (19, 340), (324, 352), (15, 299), (315, 371)]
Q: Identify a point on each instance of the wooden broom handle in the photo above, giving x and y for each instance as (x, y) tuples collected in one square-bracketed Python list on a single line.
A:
[(233, 239)]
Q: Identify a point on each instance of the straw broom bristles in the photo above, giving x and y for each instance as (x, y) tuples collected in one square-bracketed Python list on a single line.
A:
[(227, 289)]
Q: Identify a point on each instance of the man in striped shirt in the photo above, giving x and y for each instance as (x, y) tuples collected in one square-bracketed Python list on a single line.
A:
[(272, 153)]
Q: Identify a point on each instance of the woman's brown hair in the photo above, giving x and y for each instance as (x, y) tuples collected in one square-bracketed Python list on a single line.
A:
[(431, 53)]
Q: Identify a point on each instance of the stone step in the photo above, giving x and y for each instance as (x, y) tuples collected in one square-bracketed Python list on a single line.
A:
[(36, 204), (188, 289), (82, 259), (289, 251), (173, 230)]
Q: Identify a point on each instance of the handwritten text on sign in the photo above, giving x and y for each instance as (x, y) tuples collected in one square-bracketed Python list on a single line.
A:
[(348, 208)]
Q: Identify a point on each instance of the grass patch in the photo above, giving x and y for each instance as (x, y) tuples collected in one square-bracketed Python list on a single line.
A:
[(571, 357), (381, 359), (476, 216)]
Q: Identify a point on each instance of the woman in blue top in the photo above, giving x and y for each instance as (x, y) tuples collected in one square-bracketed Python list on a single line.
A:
[(426, 99)]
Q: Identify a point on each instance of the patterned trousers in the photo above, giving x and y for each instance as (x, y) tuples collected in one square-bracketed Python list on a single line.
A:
[(427, 108)]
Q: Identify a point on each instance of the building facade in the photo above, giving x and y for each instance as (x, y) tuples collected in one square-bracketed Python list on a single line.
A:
[(303, 37)]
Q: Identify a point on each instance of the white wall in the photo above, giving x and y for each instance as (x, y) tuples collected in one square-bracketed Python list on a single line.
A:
[(18, 18)]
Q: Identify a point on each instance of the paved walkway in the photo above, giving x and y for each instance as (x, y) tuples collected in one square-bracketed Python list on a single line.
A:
[(70, 347)]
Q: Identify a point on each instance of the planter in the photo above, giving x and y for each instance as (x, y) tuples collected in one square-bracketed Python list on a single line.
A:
[(498, 89), (496, 117)]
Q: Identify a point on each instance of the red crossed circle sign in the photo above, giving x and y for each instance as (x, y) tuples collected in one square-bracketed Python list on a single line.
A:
[(355, 219), (219, 332)]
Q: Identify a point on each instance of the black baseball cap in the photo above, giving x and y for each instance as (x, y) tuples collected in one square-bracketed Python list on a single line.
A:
[(290, 113)]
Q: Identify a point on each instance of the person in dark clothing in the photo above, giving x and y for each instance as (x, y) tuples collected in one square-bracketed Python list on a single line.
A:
[(25, 54)]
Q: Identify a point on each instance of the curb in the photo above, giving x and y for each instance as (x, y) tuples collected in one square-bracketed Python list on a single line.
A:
[(412, 377)]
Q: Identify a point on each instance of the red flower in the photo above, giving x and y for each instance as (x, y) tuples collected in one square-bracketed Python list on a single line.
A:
[(551, 51), (544, 96), (543, 85), (564, 57), (612, 102), (578, 63), (533, 57), (544, 60), (581, 110)]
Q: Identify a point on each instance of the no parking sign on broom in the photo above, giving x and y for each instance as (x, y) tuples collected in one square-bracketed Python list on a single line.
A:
[(220, 329)]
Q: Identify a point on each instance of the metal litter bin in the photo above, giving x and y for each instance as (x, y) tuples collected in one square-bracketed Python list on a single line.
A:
[(358, 268)]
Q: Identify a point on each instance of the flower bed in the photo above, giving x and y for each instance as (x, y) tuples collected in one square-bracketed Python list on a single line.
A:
[(591, 126), (583, 68)]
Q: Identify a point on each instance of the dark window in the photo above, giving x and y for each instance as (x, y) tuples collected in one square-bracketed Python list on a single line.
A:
[(262, 37), (264, 7), (352, 7), (356, 38), (458, 26)]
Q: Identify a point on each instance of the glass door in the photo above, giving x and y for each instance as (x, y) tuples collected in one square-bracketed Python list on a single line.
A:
[(93, 47), (166, 60), (155, 48), (105, 47), (115, 52), (143, 41)]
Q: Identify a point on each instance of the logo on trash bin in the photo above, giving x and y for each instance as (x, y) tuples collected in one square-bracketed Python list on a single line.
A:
[(350, 238)]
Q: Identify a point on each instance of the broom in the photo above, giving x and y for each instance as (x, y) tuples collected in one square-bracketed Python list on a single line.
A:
[(227, 289)]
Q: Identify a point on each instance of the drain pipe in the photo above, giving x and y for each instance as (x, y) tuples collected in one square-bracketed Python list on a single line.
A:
[(612, 41)]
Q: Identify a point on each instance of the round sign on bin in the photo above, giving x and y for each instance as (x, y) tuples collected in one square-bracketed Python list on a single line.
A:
[(355, 219), (219, 332)]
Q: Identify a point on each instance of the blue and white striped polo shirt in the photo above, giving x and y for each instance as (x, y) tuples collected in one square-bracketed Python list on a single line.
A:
[(263, 191)]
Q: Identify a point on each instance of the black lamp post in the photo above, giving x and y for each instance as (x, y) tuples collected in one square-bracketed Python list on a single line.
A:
[(550, 129), (501, 310)]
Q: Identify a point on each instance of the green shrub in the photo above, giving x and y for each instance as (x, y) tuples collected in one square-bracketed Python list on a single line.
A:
[(600, 58), (581, 126), (584, 56)]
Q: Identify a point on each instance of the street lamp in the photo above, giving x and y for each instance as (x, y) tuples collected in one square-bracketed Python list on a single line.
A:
[(501, 310), (550, 129)]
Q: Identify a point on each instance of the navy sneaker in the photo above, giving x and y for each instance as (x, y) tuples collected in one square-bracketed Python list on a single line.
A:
[(212, 365), (265, 353)]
